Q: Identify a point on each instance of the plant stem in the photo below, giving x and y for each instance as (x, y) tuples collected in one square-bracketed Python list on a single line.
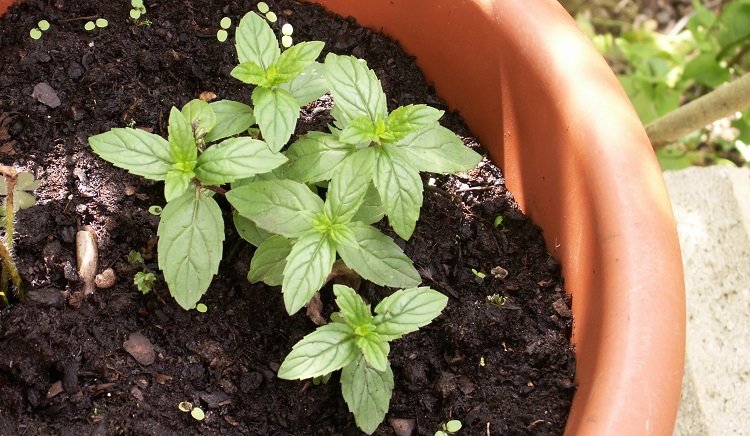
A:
[(719, 103), (6, 247)]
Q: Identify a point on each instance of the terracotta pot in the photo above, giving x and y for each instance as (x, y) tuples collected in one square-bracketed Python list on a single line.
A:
[(552, 114)]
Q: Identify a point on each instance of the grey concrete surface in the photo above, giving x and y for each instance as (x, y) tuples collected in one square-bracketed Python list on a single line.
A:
[(712, 208)]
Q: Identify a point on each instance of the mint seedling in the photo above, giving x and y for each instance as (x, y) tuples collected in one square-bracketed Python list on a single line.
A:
[(283, 81), (404, 142), (357, 343), (309, 232), (144, 281), (191, 230)]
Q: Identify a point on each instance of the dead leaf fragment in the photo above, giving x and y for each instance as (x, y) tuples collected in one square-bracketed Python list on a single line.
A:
[(207, 96), (106, 279), (140, 348), (55, 389), (315, 309)]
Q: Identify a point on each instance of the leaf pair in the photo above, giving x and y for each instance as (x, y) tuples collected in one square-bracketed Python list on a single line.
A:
[(284, 81), (358, 342), (405, 141), (309, 232)]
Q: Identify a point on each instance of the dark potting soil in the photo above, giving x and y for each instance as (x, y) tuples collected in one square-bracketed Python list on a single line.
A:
[(498, 359)]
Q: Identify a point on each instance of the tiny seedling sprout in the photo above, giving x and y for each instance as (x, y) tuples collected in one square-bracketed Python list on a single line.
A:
[(43, 25), (35, 33), (221, 35), (89, 26), (135, 14), (185, 406), (144, 281), (155, 210), (449, 428), (197, 413), (478, 274), (202, 308), (287, 29), (271, 17), (101, 23), (263, 7), (225, 23), (286, 41)]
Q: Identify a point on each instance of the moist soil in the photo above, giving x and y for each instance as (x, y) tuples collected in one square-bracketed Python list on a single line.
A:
[(499, 358)]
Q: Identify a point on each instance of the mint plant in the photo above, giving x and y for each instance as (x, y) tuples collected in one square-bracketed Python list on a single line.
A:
[(358, 343), (191, 230), (283, 81), (403, 142), (308, 232)]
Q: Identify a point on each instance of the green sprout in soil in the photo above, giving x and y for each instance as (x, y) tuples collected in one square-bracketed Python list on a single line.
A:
[(101, 23), (42, 26), (286, 38), (263, 7), (479, 274), (135, 258), (155, 210), (449, 428), (144, 281), (89, 26), (137, 11), (17, 189), (195, 411), (225, 24), (497, 299), (202, 308)]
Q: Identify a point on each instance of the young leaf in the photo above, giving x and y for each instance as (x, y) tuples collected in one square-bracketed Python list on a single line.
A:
[(181, 140), (375, 350), (400, 189), (327, 349), (309, 85), (191, 232), (367, 393), (248, 230), (378, 259), (176, 184), (314, 157), (251, 73), (352, 306), (407, 119), (407, 310), (361, 130), (371, 210), (232, 117), (282, 207), (356, 89), (438, 150), (256, 42), (23, 192), (307, 268), (349, 185), (200, 115), (141, 153), (276, 112), (295, 59), (269, 261), (236, 158)]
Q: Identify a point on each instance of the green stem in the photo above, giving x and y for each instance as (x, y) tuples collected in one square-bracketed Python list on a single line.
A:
[(6, 247)]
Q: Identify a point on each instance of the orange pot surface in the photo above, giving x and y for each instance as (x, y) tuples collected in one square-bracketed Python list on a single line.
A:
[(552, 114)]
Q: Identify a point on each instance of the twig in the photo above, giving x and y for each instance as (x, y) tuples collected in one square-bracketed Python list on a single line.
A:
[(719, 103)]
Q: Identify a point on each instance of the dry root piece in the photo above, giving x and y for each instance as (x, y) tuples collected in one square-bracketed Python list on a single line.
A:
[(87, 256)]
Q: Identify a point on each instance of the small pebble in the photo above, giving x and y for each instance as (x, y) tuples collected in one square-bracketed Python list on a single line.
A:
[(105, 279), (140, 348), (402, 427), (46, 95)]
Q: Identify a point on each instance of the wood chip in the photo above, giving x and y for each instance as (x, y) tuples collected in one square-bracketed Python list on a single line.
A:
[(55, 389), (315, 309)]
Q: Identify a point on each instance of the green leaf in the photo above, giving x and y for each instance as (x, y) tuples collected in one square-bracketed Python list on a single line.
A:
[(375, 350), (200, 115), (307, 268), (141, 153), (294, 60), (438, 150), (356, 89), (232, 117), (361, 130), (309, 85), (367, 393), (347, 189), (314, 157), (400, 189), (371, 210), (191, 232), (256, 42), (327, 349), (282, 207), (236, 158), (409, 119), (181, 140), (269, 261), (354, 309), (248, 230), (24, 182), (176, 184), (251, 73), (276, 112), (407, 310), (378, 259)]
